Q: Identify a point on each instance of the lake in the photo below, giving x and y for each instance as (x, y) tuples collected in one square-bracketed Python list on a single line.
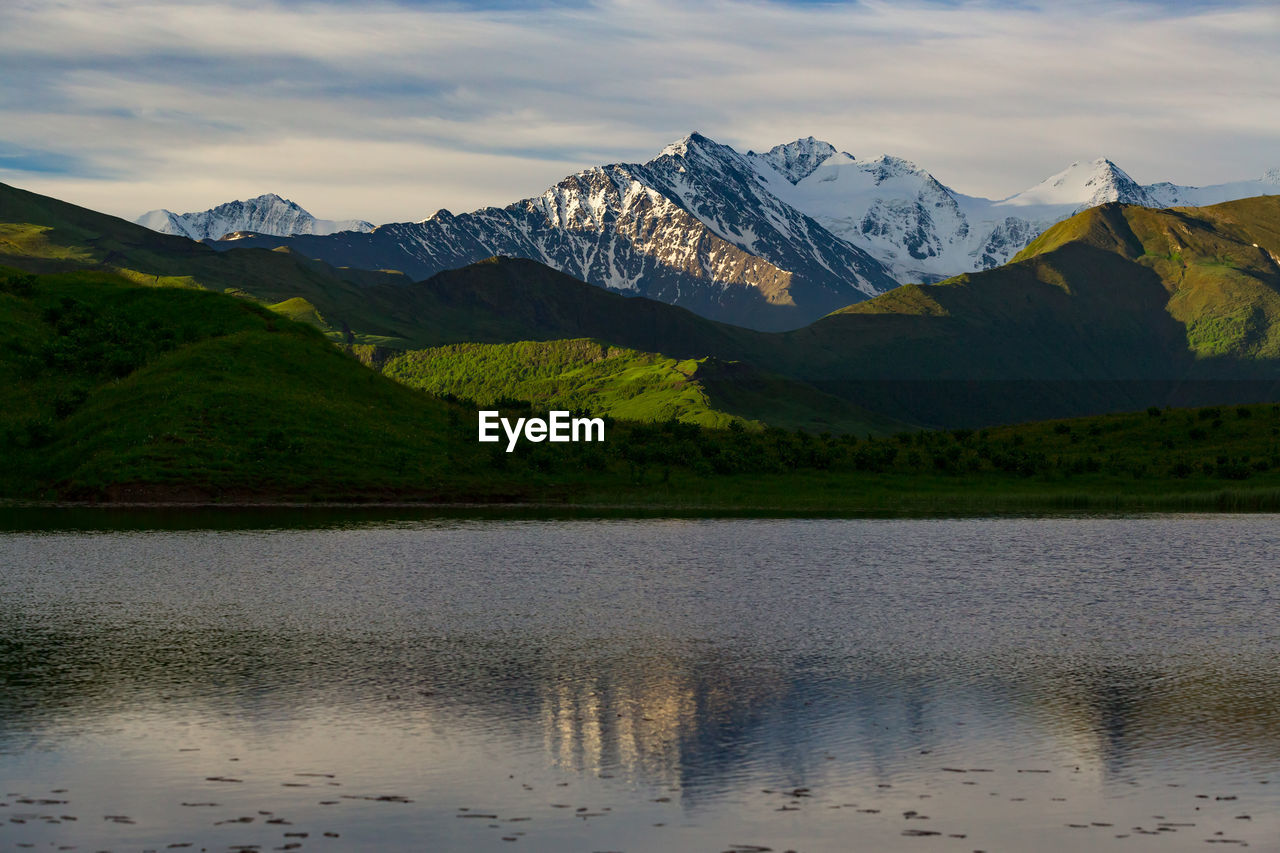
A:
[(1044, 684)]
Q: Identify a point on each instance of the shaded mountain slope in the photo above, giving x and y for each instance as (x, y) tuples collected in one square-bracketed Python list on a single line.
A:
[(43, 234), (1118, 307)]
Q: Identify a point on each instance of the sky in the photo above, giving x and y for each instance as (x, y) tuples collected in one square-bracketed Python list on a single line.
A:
[(389, 111)]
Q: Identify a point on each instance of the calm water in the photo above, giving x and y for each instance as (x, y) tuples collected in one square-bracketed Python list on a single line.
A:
[(655, 685)]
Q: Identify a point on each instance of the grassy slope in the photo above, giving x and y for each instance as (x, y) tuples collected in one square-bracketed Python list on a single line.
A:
[(499, 300), (591, 376), (41, 234), (1118, 307), (113, 386), (129, 392), (1114, 292)]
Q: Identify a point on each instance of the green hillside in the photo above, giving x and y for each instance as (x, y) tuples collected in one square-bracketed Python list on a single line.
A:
[(495, 301), (1115, 292), (119, 390), (40, 234), (1117, 308), (123, 392), (591, 376)]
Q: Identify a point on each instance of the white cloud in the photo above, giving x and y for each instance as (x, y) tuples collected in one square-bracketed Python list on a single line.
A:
[(388, 112)]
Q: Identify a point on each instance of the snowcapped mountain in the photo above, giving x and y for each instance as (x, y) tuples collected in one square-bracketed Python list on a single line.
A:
[(772, 240), (1171, 195), (266, 214), (924, 231), (1080, 186), (796, 160), (696, 226), (889, 207)]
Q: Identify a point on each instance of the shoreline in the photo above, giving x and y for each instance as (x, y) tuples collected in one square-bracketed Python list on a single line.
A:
[(906, 505)]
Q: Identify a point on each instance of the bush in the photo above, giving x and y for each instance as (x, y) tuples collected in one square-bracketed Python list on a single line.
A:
[(22, 286)]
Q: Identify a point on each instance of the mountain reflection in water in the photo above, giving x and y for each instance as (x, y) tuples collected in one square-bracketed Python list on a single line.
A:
[(1025, 684)]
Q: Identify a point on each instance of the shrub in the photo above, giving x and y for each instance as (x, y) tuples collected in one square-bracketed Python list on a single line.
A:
[(22, 286)]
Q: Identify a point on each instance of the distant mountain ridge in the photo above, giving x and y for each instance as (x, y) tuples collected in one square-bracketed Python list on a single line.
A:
[(770, 241), (924, 231), (267, 214), (694, 227)]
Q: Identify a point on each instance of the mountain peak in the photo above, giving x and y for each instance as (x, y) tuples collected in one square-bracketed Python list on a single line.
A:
[(268, 198), (1084, 184), (887, 166), (680, 148), (797, 160), (268, 214), (1271, 176)]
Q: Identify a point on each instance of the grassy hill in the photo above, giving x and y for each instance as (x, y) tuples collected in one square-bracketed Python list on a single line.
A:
[(123, 392), (1119, 307), (41, 234), (120, 390), (591, 376), (1115, 292)]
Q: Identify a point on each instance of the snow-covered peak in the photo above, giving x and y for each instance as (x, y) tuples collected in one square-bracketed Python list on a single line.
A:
[(266, 214), (696, 151), (797, 160), (886, 167), (681, 147), (1082, 185), (887, 206), (1271, 176)]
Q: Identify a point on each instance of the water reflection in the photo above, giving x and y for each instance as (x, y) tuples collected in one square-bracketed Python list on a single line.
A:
[(601, 679)]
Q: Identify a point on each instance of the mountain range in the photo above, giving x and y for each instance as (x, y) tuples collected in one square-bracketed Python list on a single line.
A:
[(770, 241), (1119, 307), (924, 231), (267, 214), (696, 227)]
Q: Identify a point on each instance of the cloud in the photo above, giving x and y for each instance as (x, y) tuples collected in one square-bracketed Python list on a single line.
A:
[(389, 111)]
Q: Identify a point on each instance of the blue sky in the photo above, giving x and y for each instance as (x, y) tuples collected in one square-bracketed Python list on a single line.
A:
[(389, 111)]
